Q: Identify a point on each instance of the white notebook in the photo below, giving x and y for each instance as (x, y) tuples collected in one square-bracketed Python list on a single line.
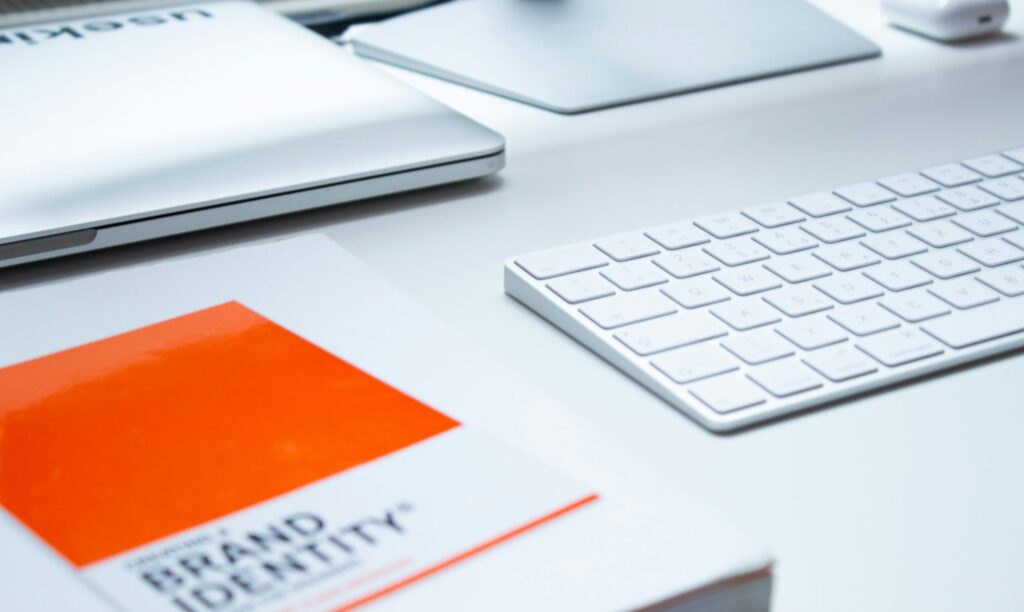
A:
[(450, 484)]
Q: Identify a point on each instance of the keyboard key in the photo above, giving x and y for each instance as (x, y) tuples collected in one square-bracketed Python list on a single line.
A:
[(745, 314), (1008, 188), (944, 264), (908, 184), (864, 194), (798, 268), (798, 301), (696, 292), (737, 251), (832, 230), (820, 204), (786, 240), (879, 219), (992, 252), (979, 325), (1009, 280), (774, 214), (898, 276), (840, 362), (627, 246), (1016, 239), (940, 234), (658, 335), (692, 363), (985, 223), (677, 236), (758, 346), (726, 225), (684, 264), (993, 165), (634, 275), (864, 319), (747, 280), (1016, 155), (547, 264), (844, 257), (848, 288), (924, 208), (894, 245), (899, 346), (967, 198), (964, 293), (624, 309), (581, 287), (951, 175), (728, 393), (1013, 211), (812, 333), (914, 306), (785, 378)]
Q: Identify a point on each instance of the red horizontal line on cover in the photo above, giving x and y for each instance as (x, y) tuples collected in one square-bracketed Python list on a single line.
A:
[(476, 550)]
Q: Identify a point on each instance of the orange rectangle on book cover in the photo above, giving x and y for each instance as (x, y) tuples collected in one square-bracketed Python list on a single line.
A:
[(113, 444)]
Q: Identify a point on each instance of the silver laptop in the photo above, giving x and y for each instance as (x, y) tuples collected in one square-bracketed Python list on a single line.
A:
[(134, 126)]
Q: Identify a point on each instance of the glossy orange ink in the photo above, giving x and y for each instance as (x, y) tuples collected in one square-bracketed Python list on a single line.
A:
[(116, 443)]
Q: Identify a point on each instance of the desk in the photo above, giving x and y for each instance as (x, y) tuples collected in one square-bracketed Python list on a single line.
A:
[(903, 500)]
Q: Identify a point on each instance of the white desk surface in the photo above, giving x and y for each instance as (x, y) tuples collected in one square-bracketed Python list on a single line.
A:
[(908, 499)]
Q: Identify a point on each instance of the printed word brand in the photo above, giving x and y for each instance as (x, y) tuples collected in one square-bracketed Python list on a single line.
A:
[(266, 564)]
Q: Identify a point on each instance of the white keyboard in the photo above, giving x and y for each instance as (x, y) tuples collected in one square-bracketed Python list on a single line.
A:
[(744, 316)]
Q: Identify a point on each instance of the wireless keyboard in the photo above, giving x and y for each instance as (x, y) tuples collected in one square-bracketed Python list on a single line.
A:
[(740, 317)]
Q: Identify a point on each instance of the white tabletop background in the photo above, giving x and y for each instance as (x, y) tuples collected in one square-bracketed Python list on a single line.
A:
[(908, 499)]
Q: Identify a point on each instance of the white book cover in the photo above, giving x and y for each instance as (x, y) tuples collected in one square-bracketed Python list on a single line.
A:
[(274, 427)]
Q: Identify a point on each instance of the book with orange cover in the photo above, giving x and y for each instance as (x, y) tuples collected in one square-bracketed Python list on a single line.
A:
[(217, 461), (239, 446)]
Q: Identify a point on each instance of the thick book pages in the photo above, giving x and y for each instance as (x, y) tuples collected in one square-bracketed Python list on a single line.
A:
[(275, 428)]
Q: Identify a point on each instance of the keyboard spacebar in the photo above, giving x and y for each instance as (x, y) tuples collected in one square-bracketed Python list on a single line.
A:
[(979, 324)]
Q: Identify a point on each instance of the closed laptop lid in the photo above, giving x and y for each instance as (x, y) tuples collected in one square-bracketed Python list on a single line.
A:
[(135, 115)]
